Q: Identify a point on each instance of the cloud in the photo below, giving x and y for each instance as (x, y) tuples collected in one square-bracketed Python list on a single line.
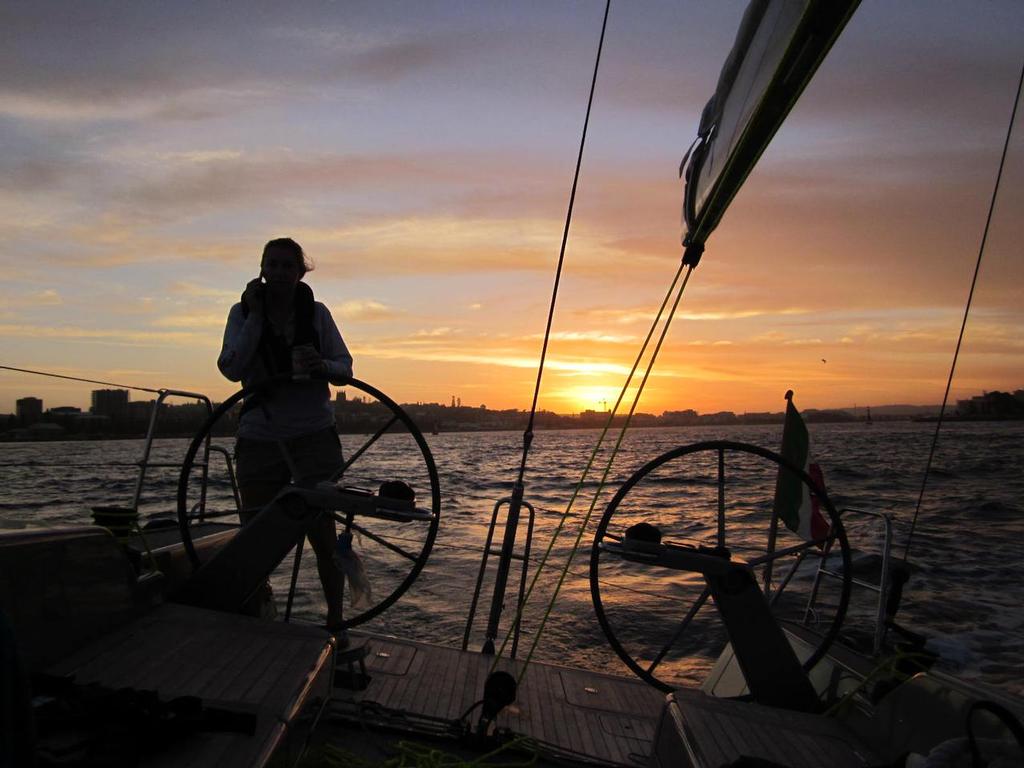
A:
[(108, 336), (190, 320), (365, 310), (85, 62), (596, 336), (629, 316), (44, 298), (194, 290)]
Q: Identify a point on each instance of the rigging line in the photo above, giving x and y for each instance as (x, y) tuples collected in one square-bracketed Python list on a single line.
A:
[(77, 378), (608, 466), (967, 310), (586, 469), (528, 435)]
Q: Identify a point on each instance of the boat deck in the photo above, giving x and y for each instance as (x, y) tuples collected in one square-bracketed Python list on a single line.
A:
[(276, 674), (576, 713)]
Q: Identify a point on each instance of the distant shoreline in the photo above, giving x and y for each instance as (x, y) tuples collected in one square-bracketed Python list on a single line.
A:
[(468, 429)]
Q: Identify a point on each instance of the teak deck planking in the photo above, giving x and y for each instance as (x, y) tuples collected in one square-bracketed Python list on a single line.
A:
[(615, 724), (229, 661), (246, 664)]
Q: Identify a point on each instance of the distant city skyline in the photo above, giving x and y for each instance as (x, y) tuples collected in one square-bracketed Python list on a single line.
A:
[(422, 153), (109, 401)]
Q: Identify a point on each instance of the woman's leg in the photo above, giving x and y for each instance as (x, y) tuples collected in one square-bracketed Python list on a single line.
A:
[(317, 457), (322, 536), (261, 473)]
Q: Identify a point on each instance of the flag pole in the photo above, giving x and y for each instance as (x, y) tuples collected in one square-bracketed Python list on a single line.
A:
[(774, 529)]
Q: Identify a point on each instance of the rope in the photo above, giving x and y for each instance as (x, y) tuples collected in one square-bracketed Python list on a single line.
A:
[(967, 310), (593, 456), (608, 466), (586, 470), (78, 378), (528, 434), (890, 665), (413, 755)]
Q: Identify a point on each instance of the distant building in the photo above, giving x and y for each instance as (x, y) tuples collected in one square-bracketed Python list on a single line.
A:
[(139, 410), (996, 405), (30, 410), (721, 417), (680, 418), (65, 415), (109, 402)]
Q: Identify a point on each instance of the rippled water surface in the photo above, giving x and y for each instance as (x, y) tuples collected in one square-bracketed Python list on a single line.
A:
[(966, 590)]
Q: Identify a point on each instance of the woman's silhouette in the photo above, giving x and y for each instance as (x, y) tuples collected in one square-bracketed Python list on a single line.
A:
[(287, 434)]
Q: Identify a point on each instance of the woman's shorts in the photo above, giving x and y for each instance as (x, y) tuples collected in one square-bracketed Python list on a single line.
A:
[(263, 467)]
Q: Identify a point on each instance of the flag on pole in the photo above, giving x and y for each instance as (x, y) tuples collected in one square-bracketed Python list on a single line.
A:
[(794, 504)]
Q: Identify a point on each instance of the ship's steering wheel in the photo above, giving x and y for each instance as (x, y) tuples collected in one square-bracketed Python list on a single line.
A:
[(685, 477), (401, 546)]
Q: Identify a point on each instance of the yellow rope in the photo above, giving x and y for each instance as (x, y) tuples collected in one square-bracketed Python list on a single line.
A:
[(413, 755), (608, 466), (134, 527), (887, 665)]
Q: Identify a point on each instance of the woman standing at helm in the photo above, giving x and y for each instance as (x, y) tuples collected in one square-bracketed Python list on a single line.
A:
[(287, 434)]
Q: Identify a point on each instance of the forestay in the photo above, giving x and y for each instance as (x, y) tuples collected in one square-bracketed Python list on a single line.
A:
[(779, 46)]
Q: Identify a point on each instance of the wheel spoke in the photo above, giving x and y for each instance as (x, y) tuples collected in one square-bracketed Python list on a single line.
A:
[(772, 556), (721, 497), (697, 605), (384, 542), (365, 447)]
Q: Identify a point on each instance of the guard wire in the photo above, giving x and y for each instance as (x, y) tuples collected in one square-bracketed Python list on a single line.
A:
[(78, 378), (528, 434), (967, 311)]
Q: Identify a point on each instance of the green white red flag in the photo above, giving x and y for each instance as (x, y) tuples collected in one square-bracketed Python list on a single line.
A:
[(795, 505)]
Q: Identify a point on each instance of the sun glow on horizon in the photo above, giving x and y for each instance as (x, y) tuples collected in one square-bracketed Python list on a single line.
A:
[(586, 397)]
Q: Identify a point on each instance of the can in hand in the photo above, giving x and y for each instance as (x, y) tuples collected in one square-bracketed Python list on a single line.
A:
[(301, 354)]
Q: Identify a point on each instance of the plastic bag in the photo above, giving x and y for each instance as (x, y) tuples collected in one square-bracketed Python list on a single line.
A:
[(351, 565)]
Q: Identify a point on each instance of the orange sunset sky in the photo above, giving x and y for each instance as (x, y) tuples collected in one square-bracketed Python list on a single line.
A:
[(422, 153)]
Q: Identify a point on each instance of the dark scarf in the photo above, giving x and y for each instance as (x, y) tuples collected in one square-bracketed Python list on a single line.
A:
[(274, 349)]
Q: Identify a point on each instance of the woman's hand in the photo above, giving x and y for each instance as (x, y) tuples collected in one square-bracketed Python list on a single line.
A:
[(255, 296), (305, 359)]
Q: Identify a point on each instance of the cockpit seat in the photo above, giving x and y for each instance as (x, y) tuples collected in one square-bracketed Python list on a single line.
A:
[(700, 731)]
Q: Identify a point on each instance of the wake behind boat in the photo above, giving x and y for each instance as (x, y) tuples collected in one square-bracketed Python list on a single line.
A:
[(131, 650)]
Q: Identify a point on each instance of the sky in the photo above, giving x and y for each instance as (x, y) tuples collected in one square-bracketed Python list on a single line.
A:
[(422, 153)]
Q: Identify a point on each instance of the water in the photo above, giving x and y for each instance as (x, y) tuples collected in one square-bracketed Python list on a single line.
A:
[(968, 552)]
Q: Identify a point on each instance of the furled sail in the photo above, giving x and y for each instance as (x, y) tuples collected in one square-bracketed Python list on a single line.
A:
[(779, 46)]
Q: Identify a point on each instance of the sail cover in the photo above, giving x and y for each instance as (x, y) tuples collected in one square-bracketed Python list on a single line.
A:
[(778, 48)]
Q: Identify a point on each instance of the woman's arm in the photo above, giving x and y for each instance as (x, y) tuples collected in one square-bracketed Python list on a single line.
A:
[(241, 338), (333, 351)]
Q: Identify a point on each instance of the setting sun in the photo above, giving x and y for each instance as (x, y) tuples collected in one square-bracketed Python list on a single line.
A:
[(587, 397)]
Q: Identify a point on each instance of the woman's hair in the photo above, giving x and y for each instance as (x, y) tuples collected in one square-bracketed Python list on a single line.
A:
[(289, 246)]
